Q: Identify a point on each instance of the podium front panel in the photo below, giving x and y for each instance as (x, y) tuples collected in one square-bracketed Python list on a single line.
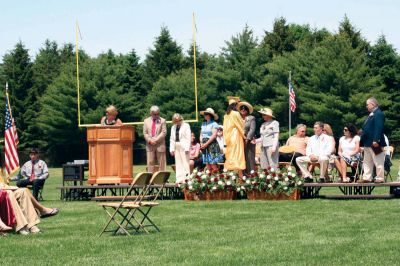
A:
[(110, 154)]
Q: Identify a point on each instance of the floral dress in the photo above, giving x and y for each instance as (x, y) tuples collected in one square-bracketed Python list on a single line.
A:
[(212, 154)]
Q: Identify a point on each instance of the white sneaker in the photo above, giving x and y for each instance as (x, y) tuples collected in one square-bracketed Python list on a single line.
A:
[(34, 229), (24, 231)]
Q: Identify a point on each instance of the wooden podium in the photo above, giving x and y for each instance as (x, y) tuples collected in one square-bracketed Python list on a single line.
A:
[(110, 154)]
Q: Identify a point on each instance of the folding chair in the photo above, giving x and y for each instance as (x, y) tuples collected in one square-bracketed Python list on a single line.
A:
[(288, 150), (158, 180), (387, 173), (120, 212)]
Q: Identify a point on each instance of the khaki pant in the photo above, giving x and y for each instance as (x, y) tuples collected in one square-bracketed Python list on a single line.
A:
[(269, 159), (25, 213), (303, 161), (182, 163), (371, 160), (154, 157)]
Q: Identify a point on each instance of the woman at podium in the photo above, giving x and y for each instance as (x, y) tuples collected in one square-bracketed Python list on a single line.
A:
[(110, 119)]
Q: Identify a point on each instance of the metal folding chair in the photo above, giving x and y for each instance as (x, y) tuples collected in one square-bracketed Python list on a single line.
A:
[(157, 183), (387, 173), (121, 212)]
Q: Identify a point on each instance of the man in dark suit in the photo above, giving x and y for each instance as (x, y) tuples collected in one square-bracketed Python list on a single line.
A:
[(373, 141)]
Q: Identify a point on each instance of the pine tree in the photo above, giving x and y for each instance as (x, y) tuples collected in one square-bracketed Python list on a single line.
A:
[(165, 58), (45, 68), (17, 68)]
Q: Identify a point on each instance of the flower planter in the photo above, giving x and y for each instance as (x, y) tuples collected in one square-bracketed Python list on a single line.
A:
[(209, 196), (262, 195), (190, 196)]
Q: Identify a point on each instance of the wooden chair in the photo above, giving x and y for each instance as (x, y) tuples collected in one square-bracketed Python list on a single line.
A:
[(121, 212), (387, 173), (158, 181)]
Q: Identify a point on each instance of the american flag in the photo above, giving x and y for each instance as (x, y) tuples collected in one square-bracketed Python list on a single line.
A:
[(292, 98), (11, 140)]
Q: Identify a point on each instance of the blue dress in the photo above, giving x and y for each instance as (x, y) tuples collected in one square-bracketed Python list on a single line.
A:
[(212, 154)]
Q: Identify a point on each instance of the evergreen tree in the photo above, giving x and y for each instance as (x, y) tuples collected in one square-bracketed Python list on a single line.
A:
[(384, 62), (332, 83), (280, 40), (17, 69), (46, 67), (165, 58)]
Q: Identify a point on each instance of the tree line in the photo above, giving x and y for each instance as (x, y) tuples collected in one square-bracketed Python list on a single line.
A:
[(333, 74)]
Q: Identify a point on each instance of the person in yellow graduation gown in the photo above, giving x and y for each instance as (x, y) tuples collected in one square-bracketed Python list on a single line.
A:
[(234, 138)]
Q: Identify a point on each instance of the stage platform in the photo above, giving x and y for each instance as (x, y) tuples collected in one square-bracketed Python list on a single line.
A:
[(172, 191)]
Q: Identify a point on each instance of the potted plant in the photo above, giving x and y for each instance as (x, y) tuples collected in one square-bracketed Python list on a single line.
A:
[(272, 184), (210, 186)]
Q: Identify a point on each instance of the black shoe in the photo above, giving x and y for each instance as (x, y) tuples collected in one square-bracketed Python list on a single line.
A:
[(321, 180), (308, 179)]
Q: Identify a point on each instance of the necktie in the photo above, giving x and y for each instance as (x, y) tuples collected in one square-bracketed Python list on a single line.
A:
[(32, 177), (153, 128)]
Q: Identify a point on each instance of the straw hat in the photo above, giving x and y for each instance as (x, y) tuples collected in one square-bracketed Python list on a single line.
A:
[(245, 104), (266, 111), (210, 111), (233, 99)]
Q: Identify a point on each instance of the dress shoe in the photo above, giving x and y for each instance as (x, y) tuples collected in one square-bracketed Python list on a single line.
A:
[(308, 179), (34, 229), (321, 180), (379, 181), (24, 231)]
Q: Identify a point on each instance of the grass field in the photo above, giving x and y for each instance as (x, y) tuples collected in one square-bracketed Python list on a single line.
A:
[(242, 232)]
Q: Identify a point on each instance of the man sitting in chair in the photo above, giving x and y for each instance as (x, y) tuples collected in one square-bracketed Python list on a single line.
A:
[(319, 147), (34, 172), (299, 142)]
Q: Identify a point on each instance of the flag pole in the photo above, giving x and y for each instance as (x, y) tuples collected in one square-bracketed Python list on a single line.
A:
[(194, 65), (290, 112), (77, 74)]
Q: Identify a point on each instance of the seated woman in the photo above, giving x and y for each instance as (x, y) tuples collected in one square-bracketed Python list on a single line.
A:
[(7, 217), (110, 119), (25, 206), (299, 143), (194, 153), (349, 150)]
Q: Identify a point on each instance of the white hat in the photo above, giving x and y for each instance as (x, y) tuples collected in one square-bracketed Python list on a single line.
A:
[(210, 111), (266, 111)]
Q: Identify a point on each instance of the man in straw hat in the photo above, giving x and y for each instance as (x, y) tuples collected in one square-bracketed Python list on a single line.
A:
[(269, 139), (246, 109), (211, 152), (234, 137)]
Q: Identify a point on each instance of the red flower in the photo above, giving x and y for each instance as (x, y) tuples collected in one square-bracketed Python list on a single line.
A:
[(215, 179), (221, 175)]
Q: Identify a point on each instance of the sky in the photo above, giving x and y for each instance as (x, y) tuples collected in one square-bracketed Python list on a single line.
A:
[(123, 25)]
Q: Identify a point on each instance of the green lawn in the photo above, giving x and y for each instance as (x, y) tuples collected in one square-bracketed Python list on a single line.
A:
[(308, 232)]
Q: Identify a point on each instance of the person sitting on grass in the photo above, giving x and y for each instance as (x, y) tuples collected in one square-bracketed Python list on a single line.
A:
[(34, 172), (319, 148), (25, 207)]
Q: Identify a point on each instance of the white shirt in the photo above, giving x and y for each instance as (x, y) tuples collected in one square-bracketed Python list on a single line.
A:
[(269, 132), (319, 145), (185, 137), (348, 145)]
